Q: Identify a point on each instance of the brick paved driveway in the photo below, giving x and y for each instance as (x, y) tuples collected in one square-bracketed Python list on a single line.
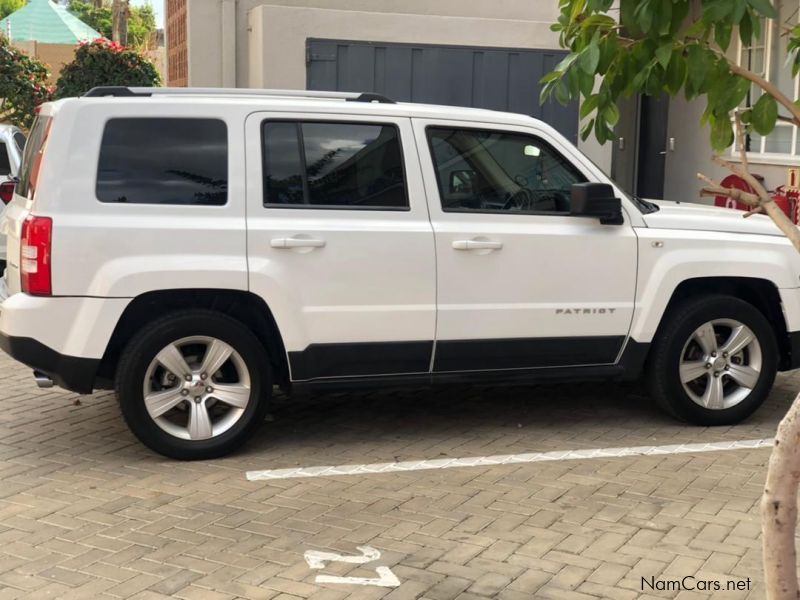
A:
[(87, 512)]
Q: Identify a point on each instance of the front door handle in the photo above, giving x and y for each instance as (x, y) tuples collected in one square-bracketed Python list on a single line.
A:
[(294, 242), (477, 245)]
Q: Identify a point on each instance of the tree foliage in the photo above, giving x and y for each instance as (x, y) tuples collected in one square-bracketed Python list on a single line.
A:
[(141, 23), (9, 6), (654, 46), (102, 62), (23, 85)]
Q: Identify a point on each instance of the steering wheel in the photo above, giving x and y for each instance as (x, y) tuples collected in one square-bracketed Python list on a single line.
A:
[(519, 200)]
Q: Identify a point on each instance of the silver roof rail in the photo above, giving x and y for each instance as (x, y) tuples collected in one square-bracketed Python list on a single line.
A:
[(130, 92)]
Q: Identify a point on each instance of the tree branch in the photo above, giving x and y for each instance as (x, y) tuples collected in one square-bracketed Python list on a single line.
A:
[(768, 87)]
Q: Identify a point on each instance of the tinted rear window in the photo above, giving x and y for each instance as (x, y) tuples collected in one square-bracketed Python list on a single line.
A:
[(333, 165), (19, 138), (164, 161)]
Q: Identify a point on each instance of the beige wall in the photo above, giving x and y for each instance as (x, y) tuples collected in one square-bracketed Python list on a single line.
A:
[(252, 43), (219, 30), (55, 56), (278, 36)]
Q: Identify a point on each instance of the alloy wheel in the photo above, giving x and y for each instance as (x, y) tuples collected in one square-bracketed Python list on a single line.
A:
[(196, 388), (720, 364)]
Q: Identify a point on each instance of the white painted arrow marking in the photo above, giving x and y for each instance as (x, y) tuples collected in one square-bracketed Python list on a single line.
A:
[(316, 559), (386, 579)]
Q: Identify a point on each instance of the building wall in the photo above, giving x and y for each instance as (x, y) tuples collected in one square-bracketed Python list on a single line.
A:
[(55, 56), (222, 27), (177, 71), (258, 44)]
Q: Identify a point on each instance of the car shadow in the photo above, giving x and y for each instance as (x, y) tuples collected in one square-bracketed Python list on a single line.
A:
[(478, 420)]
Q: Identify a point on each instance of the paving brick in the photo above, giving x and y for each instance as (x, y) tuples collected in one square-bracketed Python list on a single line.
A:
[(87, 512)]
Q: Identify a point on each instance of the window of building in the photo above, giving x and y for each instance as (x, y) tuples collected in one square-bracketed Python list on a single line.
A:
[(765, 57), (333, 165), (164, 161), (500, 171)]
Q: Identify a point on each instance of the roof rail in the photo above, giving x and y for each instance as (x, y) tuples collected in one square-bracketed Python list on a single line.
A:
[(118, 91)]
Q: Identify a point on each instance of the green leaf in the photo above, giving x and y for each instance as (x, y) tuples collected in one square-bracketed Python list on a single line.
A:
[(722, 34), (611, 114), (721, 134), (765, 114), (644, 15), (588, 105), (716, 10), (745, 30), (676, 73), (699, 64), (550, 76), (664, 18), (585, 83), (587, 130), (764, 7), (680, 10), (664, 54), (589, 58)]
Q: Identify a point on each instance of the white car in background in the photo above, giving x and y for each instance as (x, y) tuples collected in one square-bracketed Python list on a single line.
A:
[(12, 143)]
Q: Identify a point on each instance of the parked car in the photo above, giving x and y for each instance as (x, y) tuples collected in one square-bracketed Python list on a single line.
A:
[(194, 248), (12, 143)]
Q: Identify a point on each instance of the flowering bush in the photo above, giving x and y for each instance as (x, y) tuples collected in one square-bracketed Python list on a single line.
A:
[(23, 85), (103, 62)]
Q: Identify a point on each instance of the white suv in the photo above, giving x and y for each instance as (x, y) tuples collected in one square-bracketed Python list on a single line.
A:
[(194, 248)]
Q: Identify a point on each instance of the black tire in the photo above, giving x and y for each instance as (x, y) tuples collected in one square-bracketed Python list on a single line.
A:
[(663, 364), (143, 348)]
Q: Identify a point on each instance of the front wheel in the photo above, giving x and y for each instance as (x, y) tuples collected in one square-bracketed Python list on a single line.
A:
[(193, 385), (714, 361)]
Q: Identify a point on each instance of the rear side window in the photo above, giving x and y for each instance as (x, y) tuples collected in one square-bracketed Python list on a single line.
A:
[(333, 165), (164, 161), (5, 161), (32, 157)]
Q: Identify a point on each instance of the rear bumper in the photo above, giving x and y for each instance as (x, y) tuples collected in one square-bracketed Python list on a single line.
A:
[(70, 372)]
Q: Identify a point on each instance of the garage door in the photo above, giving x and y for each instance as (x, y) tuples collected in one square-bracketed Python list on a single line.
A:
[(496, 78)]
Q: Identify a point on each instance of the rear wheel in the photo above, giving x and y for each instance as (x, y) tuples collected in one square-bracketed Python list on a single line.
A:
[(714, 361), (193, 385)]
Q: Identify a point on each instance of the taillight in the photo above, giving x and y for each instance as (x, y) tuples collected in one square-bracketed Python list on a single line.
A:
[(34, 259), (7, 191)]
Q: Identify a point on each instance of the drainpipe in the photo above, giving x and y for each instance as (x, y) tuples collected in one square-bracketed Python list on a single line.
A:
[(228, 34)]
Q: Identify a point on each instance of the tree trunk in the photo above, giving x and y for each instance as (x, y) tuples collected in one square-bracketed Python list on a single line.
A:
[(119, 27), (779, 509)]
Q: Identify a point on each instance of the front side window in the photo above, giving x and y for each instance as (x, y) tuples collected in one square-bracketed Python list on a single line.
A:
[(500, 171), (164, 161), (333, 165)]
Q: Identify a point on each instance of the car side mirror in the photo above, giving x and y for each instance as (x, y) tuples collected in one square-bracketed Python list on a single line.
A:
[(596, 200)]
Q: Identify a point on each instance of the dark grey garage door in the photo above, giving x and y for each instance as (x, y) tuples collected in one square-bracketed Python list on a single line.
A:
[(496, 78)]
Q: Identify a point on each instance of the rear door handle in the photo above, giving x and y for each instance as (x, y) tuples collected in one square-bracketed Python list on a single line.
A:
[(293, 242), (477, 245)]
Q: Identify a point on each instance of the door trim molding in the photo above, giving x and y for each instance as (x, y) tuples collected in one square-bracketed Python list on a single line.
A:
[(358, 359)]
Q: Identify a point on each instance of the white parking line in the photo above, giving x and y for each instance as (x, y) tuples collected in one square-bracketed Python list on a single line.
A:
[(503, 459)]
